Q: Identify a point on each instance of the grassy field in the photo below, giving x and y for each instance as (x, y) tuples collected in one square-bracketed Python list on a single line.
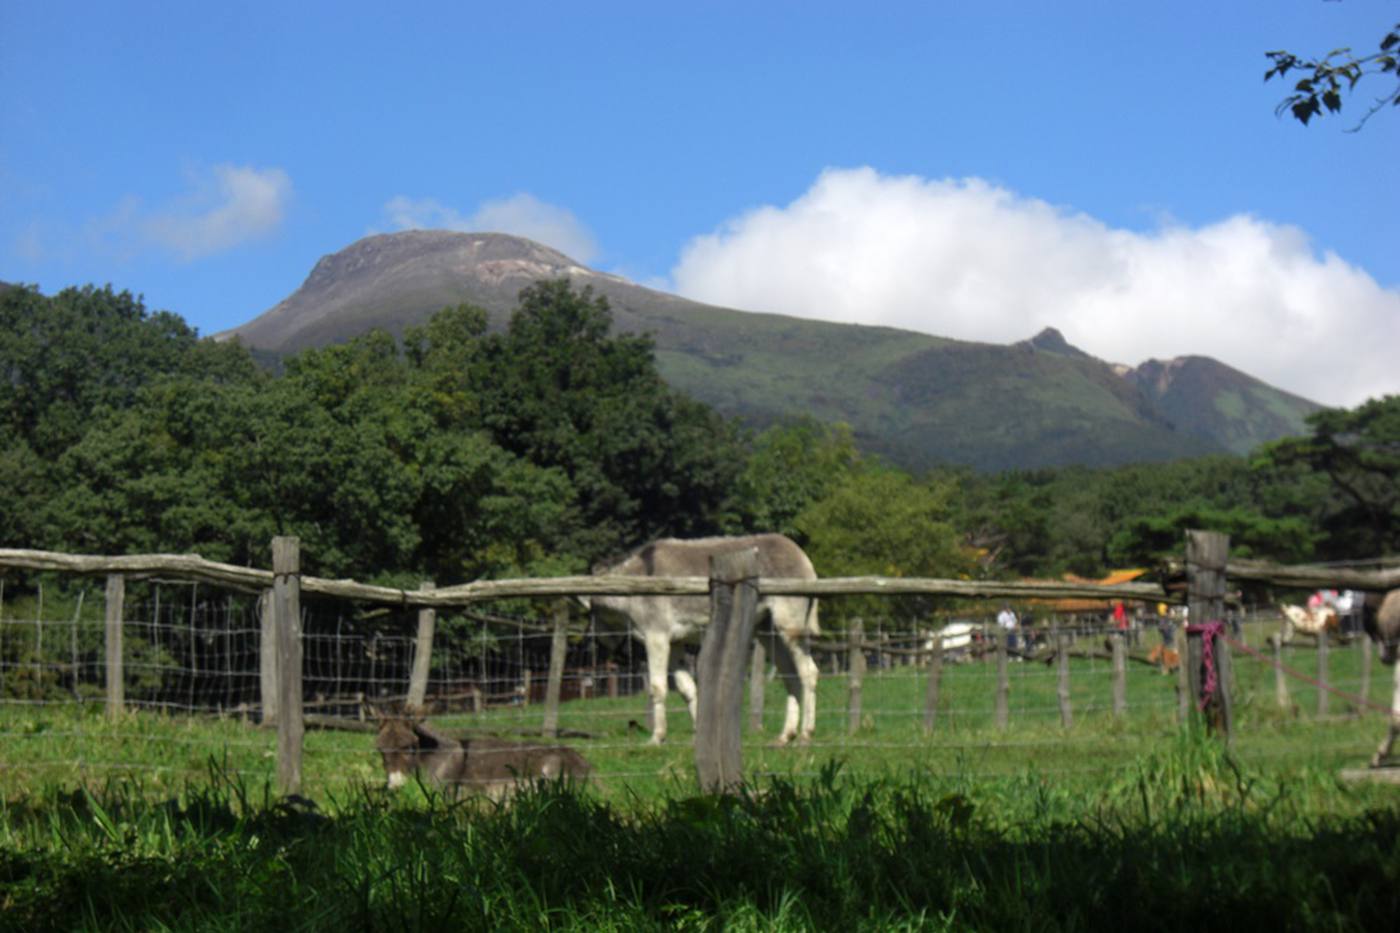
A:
[(156, 821)]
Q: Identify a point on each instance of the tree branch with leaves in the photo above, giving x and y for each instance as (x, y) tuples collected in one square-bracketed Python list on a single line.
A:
[(1323, 79)]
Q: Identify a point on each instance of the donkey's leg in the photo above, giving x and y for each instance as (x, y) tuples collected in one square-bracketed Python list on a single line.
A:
[(807, 671), (685, 686), (787, 664), (658, 647), (1383, 752)]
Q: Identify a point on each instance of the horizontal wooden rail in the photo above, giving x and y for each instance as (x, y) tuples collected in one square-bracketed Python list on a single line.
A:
[(1310, 576), (193, 567)]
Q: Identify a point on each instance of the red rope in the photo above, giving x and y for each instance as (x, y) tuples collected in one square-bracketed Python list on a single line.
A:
[(1356, 701), (1209, 631)]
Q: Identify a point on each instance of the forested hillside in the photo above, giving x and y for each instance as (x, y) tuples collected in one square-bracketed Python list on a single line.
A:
[(457, 453)]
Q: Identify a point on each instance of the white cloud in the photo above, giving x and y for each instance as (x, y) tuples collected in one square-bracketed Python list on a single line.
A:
[(520, 214), (971, 260), (225, 207)]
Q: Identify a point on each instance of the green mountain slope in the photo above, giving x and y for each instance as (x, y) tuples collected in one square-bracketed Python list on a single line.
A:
[(915, 398)]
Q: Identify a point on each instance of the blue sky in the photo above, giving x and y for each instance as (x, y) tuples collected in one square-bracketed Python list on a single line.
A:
[(972, 170)]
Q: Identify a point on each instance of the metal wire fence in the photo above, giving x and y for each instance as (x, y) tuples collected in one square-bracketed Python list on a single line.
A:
[(193, 653)]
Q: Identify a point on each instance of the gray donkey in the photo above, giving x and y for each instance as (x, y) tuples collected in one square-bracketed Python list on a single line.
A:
[(1382, 621), (480, 764)]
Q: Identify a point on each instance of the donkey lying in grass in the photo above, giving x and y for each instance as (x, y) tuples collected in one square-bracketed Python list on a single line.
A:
[(481, 764)]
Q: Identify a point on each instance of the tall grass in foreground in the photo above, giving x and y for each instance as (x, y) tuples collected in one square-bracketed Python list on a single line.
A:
[(1182, 838)]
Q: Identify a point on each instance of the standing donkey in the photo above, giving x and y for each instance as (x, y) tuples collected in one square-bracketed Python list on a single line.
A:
[(1382, 623)]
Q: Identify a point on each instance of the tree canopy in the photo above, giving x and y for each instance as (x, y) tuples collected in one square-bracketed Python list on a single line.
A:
[(462, 452)]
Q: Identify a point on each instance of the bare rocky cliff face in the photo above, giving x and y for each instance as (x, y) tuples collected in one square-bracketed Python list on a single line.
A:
[(917, 399)]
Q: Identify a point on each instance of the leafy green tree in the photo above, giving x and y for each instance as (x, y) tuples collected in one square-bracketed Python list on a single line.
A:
[(1323, 80), (1357, 452), (87, 348), (881, 521), (564, 394), (790, 467)]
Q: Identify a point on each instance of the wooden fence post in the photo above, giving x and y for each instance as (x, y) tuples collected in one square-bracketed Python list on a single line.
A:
[(1280, 681), (1003, 711), (1206, 556), (267, 658), (1365, 673), (1322, 693), (286, 602), (612, 680), (558, 648), (1183, 677), (422, 653), (723, 652), (758, 667), (116, 685), (1120, 676), (935, 676), (1062, 680), (856, 674)]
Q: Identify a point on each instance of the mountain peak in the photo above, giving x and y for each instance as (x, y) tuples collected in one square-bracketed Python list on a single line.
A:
[(1051, 340), (915, 398)]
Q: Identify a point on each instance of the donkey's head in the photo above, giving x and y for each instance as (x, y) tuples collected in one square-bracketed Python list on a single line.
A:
[(402, 742)]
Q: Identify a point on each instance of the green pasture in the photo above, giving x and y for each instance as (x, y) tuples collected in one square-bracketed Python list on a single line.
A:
[(164, 821), (71, 744)]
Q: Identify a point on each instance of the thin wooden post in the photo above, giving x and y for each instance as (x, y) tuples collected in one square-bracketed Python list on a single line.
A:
[(1322, 692), (524, 682), (1003, 684), (422, 652), (194, 642), (73, 643), (1206, 556), (1062, 681), (558, 648), (1280, 681), (116, 685), (1365, 673), (1120, 676), (758, 667), (286, 603), (856, 676), (267, 658), (612, 680), (935, 677), (1183, 676), (723, 653)]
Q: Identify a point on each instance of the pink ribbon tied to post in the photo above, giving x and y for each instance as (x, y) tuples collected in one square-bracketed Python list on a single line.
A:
[(1209, 632)]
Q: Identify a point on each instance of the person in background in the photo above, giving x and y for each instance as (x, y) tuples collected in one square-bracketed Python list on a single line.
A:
[(1348, 612), (1165, 626), (1007, 622)]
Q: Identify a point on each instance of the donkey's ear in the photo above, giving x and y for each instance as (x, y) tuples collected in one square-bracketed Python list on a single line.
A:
[(427, 739)]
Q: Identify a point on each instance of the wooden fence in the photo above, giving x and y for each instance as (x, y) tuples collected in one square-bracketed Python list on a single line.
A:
[(725, 660)]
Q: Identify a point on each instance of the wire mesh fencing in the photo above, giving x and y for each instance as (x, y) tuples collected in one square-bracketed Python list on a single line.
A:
[(194, 654)]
